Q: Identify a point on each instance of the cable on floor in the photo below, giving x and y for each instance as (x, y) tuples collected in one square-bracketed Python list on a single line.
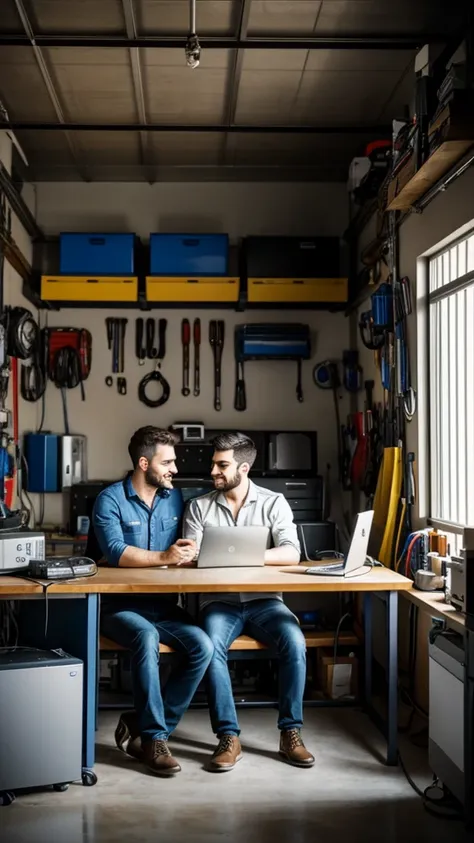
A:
[(444, 808)]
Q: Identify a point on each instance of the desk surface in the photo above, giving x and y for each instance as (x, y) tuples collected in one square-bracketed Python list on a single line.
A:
[(172, 580), (434, 603)]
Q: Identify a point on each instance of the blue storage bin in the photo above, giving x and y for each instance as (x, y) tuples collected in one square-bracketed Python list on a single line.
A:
[(101, 254), (189, 254)]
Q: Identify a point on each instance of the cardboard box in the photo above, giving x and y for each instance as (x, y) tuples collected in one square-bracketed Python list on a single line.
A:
[(340, 679)]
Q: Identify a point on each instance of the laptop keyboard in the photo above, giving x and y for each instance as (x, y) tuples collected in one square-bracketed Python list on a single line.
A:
[(325, 569)]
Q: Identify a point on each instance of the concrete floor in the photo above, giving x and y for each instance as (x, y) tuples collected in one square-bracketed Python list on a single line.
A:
[(349, 794)]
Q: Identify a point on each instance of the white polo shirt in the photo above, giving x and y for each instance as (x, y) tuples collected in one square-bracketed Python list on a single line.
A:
[(261, 508)]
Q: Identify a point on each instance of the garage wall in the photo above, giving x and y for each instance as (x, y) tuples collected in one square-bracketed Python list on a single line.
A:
[(419, 233), (108, 419)]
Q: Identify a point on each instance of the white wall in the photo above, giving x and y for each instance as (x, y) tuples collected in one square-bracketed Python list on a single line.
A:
[(108, 419), (236, 209)]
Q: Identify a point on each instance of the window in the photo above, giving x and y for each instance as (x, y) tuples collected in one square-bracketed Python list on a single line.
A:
[(451, 384)]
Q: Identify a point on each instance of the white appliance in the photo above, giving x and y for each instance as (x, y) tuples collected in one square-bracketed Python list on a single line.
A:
[(19, 547), (446, 724), (73, 460), (41, 722)]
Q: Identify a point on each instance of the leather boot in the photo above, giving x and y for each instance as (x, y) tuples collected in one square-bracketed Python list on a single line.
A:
[(293, 750), (157, 757), (127, 732), (225, 757)]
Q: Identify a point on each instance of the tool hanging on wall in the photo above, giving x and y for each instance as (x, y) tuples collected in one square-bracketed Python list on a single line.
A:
[(326, 376), (69, 355), (197, 353), (140, 347), (351, 370), (286, 341), (156, 375), (116, 329), (216, 339), (185, 341)]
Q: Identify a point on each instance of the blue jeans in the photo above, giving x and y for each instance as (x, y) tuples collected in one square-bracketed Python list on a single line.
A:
[(272, 623), (140, 628)]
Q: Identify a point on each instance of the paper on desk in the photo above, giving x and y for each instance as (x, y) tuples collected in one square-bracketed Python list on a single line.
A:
[(341, 680)]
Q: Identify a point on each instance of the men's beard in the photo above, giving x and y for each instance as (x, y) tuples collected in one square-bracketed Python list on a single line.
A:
[(152, 480), (231, 484)]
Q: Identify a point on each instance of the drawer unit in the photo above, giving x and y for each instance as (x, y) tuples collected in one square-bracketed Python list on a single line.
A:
[(297, 290), (101, 254), (305, 497), (189, 254), (293, 257), (59, 288), (185, 289)]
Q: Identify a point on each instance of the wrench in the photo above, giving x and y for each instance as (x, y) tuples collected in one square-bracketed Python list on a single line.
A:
[(185, 340), (197, 361)]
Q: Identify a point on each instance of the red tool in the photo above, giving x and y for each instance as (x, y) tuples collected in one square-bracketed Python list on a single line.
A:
[(359, 457), (197, 350)]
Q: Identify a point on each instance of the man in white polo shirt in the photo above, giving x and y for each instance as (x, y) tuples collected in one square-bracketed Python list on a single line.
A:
[(237, 501)]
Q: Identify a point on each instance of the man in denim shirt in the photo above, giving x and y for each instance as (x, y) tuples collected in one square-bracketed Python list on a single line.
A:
[(136, 523)]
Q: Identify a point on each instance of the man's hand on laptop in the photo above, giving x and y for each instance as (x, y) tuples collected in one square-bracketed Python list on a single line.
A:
[(181, 553)]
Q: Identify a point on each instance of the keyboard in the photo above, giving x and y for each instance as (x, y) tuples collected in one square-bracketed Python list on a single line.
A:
[(325, 569)]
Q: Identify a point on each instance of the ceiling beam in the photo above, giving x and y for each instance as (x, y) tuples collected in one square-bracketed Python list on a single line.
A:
[(337, 42), (237, 63), (138, 88), (235, 73), (18, 126), (52, 93)]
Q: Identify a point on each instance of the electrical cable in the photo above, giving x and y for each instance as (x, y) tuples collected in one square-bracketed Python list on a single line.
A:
[(142, 386), (446, 808), (336, 637), (22, 332)]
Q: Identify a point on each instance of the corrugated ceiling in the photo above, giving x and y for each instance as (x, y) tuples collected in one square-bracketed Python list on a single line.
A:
[(283, 86)]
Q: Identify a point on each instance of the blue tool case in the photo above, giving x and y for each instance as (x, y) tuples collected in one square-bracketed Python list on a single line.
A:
[(189, 254), (286, 341), (100, 254)]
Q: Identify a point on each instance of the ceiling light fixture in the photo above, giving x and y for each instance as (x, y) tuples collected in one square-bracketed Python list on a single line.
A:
[(192, 49)]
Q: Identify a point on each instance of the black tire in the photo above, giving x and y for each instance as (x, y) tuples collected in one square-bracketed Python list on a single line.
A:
[(60, 788), (6, 798), (89, 778)]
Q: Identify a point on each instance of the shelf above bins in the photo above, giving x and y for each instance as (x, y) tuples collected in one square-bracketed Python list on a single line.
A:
[(434, 168), (297, 291), (169, 290), (84, 290)]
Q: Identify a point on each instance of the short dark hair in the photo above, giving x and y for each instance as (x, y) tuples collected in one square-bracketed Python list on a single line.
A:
[(145, 441), (243, 447)]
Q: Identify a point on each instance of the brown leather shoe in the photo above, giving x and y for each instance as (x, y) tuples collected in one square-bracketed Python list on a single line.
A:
[(225, 757), (293, 750), (157, 758), (127, 730)]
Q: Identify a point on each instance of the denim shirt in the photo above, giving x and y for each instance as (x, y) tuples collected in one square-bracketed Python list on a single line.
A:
[(121, 518)]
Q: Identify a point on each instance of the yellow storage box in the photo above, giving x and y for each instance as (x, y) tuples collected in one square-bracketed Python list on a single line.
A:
[(297, 290), (89, 289), (182, 289)]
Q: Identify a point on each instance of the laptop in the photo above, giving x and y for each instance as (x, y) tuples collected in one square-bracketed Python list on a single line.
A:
[(354, 563), (233, 547)]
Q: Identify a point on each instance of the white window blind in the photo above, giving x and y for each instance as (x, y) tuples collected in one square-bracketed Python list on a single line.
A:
[(451, 387)]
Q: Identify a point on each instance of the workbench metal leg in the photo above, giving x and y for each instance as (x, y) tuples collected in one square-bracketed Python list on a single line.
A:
[(392, 677), (91, 680), (368, 648)]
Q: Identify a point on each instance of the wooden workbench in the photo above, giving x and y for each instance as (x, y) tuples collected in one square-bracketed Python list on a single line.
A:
[(74, 616), (181, 580)]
